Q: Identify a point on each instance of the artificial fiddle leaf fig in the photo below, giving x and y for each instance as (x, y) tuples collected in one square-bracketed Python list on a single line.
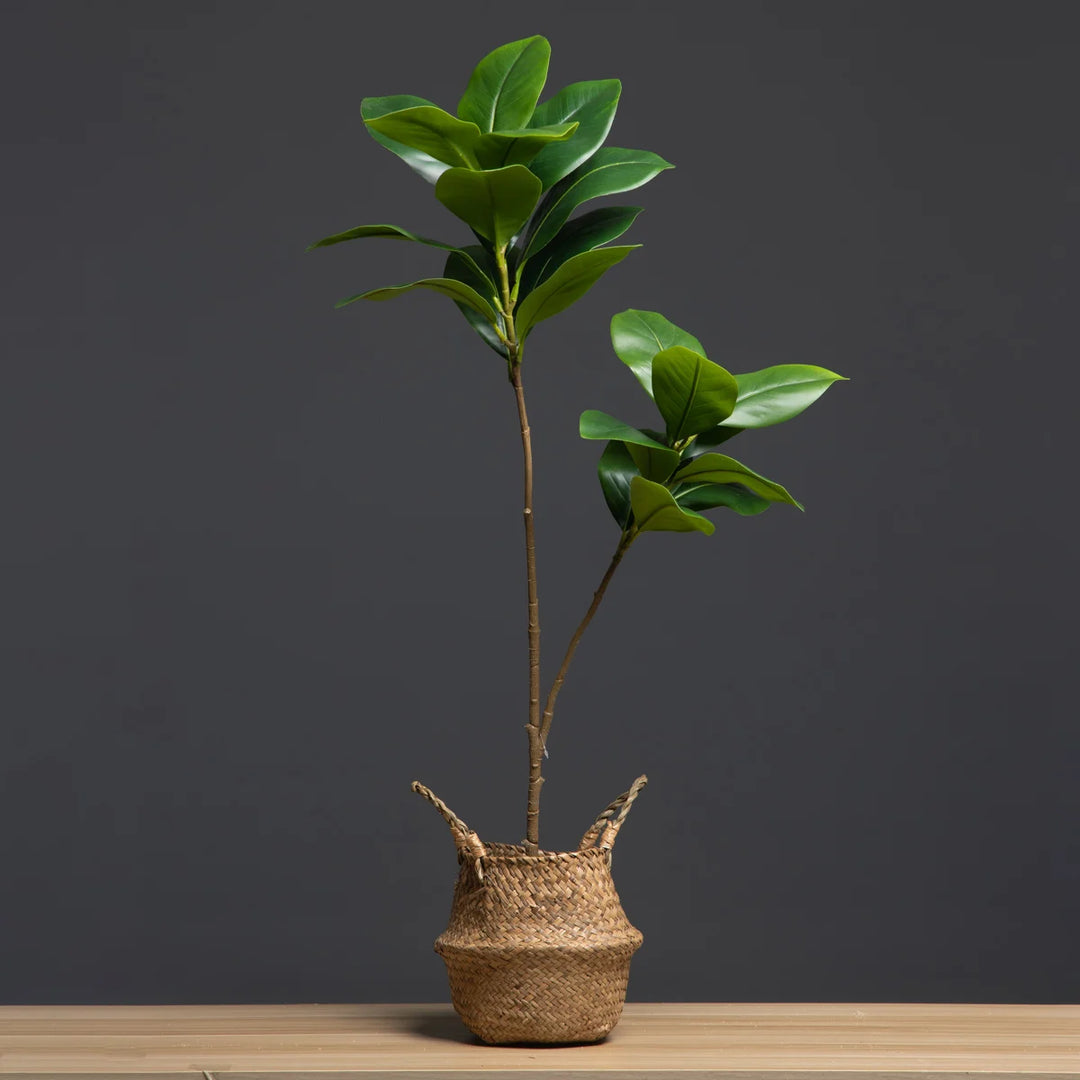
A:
[(592, 105), (456, 290), (570, 282), (371, 108), (779, 393), (637, 336), (501, 148), (515, 172), (495, 202), (693, 394), (655, 510), (608, 172), (720, 469), (583, 233), (709, 496), (595, 424), (506, 85), (432, 130), (616, 469)]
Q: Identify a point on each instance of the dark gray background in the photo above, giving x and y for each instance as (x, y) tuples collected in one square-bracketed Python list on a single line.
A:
[(262, 560)]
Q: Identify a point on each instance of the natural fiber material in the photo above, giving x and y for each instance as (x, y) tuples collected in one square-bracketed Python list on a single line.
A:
[(538, 948)]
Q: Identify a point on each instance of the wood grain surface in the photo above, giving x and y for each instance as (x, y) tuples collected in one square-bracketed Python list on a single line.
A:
[(669, 1040)]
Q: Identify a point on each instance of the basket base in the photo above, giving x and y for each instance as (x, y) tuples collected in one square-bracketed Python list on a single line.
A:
[(543, 997)]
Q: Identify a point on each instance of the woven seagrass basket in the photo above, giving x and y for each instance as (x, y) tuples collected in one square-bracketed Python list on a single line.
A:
[(538, 948)]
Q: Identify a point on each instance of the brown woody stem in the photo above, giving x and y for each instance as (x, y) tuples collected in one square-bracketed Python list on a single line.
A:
[(536, 752), (625, 541)]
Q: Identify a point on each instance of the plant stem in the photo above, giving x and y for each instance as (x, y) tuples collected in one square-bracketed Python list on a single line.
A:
[(536, 749), (625, 541), (536, 755)]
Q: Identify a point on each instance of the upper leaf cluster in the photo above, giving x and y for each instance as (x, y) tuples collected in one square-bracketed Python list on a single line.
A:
[(660, 480), (514, 169)]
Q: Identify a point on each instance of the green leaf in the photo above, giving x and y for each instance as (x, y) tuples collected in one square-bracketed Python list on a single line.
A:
[(570, 282), (456, 290), (519, 147), (593, 105), (779, 393), (693, 394), (637, 336), (583, 233), (655, 510), (609, 171), (720, 469), (432, 130), (393, 232), (708, 496), (616, 469), (506, 84), (654, 464), (472, 255), (595, 424), (496, 202), (469, 266), (372, 108)]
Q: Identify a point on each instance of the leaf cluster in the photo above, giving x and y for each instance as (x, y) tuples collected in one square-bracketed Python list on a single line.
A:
[(514, 170), (661, 480)]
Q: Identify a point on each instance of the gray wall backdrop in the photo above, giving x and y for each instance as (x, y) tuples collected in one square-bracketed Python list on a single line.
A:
[(262, 560)]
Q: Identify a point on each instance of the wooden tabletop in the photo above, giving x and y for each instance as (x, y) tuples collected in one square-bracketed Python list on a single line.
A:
[(685, 1041)]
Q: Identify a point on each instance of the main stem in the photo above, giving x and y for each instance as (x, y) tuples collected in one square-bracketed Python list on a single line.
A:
[(536, 750), (625, 541)]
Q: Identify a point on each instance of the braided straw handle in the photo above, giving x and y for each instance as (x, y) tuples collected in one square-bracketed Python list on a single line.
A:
[(610, 821), (468, 844)]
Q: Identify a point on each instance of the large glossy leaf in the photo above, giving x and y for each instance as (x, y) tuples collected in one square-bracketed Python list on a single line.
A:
[(456, 290), (693, 394), (776, 394), (580, 234), (655, 510), (721, 469), (371, 108), (637, 336), (392, 232), (570, 282), (472, 255), (592, 105), (708, 496), (609, 171), (432, 130), (505, 86), (495, 202), (518, 147), (469, 266), (595, 424), (654, 464), (616, 469)]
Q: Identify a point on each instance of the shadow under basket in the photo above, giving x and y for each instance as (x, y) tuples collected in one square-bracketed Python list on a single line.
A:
[(538, 948)]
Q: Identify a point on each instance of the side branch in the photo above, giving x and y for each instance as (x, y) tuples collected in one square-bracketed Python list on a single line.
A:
[(625, 541)]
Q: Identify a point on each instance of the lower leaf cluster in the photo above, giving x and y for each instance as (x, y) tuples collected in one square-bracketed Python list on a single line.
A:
[(660, 481)]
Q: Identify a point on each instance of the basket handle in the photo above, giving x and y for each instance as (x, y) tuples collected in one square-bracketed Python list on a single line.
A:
[(468, 844), (606, 827)]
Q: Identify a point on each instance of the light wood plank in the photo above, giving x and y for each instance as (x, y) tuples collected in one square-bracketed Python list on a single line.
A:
[(730, 1040)]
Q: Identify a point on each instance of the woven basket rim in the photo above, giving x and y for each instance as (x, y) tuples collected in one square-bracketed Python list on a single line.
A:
[(543, 856)]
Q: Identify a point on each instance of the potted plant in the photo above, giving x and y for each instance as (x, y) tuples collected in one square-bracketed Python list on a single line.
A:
[(538, 947)]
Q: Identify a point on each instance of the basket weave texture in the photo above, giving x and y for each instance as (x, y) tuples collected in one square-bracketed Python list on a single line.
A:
[(538, 947)]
